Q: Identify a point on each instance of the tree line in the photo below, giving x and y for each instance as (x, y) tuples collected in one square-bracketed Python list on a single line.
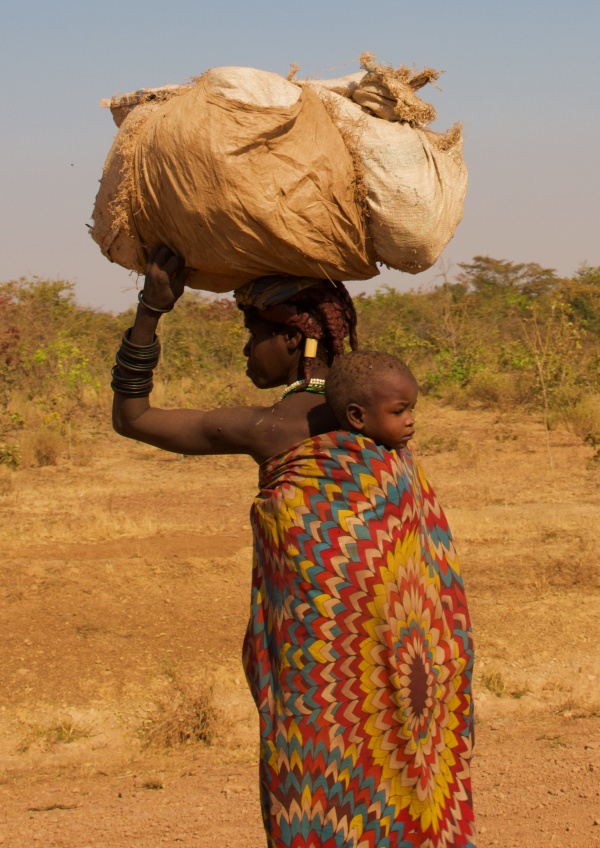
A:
[(494, 333)]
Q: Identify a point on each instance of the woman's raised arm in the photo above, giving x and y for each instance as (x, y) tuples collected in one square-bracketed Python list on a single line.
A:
[(179, 430)]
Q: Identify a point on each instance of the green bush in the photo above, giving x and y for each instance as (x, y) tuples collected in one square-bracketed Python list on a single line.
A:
[(497, 334)]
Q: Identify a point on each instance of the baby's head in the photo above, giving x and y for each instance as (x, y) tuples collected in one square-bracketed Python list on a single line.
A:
[(373, 394)]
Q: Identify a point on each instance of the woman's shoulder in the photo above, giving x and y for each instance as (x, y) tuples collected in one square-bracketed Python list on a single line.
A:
[(330, 448), (287, 423)]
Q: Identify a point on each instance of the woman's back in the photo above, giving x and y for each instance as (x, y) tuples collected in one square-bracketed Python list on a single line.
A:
[(288, 422)]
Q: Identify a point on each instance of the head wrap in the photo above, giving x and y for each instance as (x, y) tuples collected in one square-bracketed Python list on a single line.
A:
[(271, 291), (319, 309)]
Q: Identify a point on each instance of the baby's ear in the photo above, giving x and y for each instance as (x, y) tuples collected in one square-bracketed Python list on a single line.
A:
[(355, 413)]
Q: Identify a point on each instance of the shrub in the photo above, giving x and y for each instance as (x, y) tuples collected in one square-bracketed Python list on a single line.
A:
[(497, 334), (42, 447), (6, 481), (583, 417), (188, 717), (10, 455)]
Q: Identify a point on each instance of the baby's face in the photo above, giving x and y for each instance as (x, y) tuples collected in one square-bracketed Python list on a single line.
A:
[(389, 418)]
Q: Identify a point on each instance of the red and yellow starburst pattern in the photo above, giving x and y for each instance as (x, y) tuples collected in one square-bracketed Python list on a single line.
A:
[(359, 653)]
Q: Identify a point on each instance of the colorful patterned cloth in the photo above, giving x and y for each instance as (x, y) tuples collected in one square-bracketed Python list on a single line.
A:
[(359, 653)]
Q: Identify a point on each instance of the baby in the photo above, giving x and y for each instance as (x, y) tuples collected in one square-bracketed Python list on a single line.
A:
[(373, 394)]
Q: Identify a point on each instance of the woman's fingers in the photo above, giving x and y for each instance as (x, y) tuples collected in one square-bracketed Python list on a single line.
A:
[(166, 261), (179, 282), (158, 254), (166, 275), (172, 265)]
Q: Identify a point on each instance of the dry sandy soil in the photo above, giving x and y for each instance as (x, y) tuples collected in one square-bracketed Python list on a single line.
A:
[(124, 580)]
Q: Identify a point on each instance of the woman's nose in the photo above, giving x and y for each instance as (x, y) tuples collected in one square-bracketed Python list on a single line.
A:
[(246, 350)]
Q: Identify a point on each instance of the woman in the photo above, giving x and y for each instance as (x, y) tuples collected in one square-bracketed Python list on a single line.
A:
[(280, 317), (358, 651)]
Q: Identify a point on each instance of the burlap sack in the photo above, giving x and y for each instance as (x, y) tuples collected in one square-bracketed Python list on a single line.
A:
[(415, 179), (114, 227), (243, 174)]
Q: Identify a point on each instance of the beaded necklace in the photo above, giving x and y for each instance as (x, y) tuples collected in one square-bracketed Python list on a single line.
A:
[(316, 385)]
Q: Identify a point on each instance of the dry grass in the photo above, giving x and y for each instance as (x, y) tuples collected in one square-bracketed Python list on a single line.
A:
[(7, 481), (153, 783), (552, 741), (138, 561), (573, 708), (188, 716), (576, 572), (42, 447), (436, 443), (46, 737), (78, 513), (493, 681), (149, 618), (10, 455), (583, 418)]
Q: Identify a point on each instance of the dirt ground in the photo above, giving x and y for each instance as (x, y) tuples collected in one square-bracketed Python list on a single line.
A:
[(124, 583)]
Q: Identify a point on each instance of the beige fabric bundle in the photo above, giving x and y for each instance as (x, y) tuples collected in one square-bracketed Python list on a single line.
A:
[(243, 174), (416, 183), (415, 179)]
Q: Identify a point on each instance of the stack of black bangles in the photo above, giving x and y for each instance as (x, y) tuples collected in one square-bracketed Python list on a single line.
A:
[(140, 361)]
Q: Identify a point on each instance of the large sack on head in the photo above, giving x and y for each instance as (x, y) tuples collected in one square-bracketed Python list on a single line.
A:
[(243, 174), (415, 179), (114, 228)]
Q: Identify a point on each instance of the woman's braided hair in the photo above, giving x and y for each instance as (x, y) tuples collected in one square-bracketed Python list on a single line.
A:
[(324, 311)]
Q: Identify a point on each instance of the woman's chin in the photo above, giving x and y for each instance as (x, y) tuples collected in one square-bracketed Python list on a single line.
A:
[(264, 382), (257, 381)]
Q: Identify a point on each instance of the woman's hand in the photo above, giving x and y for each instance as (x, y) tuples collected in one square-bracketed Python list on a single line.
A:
[(165, 279)]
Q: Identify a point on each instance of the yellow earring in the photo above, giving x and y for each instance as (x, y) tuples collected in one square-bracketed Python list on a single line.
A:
[(310, 348)]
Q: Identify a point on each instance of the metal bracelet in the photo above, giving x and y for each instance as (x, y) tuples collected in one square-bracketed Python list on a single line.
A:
[(131, 386), (140, 351), (131, 393), (140, 361), (139, 380), (133, 364), (152, 308)]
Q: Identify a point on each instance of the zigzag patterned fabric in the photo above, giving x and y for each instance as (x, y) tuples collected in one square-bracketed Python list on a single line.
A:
[(359, 653)]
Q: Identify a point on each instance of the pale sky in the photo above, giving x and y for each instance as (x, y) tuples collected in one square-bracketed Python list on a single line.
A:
[(523, 77)]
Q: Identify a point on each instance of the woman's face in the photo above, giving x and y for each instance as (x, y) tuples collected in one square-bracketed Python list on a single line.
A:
[(271, 358)]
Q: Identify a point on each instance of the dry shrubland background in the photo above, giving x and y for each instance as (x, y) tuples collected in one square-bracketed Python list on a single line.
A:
[(497, 334), (124, 577)]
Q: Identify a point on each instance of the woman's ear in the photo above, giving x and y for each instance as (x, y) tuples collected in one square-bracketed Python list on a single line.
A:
[(355, 413), (293, 340)]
